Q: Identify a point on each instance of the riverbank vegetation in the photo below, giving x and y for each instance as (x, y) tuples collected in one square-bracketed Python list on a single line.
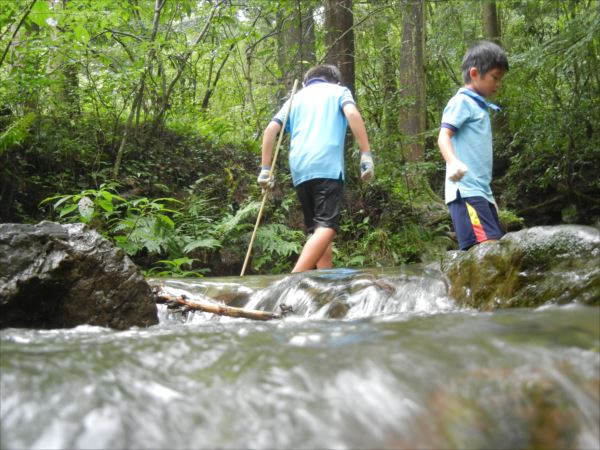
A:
[(143, 119)]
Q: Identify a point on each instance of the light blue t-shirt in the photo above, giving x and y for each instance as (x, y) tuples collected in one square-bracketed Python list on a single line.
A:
[(317, 127), (467, 115)]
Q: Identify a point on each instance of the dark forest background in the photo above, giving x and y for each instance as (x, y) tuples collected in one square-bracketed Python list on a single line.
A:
[(143, 118)]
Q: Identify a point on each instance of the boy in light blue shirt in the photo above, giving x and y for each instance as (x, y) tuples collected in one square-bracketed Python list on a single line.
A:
[(319, 116), (465, 141)]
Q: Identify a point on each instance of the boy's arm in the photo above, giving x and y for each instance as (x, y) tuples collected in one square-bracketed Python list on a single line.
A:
[(268, 142), (357, 125), (456, 168)]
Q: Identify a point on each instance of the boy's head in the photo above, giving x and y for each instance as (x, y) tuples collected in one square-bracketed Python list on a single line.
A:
[(483, 56), (327, 72)]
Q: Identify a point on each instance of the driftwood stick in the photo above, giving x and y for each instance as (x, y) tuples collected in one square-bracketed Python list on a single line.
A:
[(222, 310)]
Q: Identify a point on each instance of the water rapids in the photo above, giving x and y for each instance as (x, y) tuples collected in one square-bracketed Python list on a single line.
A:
[(367, 359)]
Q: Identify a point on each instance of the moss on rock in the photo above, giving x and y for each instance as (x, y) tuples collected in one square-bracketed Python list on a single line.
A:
[(529, 268)]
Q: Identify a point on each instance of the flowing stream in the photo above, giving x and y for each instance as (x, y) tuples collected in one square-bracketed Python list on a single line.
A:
[(366, 359)]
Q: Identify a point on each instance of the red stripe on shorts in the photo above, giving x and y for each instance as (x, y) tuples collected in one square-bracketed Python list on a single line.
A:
[(476, 224)]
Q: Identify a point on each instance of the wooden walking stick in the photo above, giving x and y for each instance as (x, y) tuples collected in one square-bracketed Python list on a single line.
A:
[(266, 193)]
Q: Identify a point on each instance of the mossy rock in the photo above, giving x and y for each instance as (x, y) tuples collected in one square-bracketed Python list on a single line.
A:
[(528, 268)]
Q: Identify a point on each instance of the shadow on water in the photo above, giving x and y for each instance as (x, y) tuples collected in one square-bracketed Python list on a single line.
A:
[(368, 359)]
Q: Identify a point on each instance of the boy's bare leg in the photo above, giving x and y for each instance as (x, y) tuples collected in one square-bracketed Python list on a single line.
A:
[(326, 261), (315, 248)]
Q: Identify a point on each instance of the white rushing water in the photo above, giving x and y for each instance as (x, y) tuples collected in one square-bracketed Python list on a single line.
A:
[(368, 359)]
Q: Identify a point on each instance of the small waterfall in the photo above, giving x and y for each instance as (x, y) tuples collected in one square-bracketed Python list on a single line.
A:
[(327, 294)]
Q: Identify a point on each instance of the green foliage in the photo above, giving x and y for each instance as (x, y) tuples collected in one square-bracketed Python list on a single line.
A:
[(509, 220), (15, 133), (276, 245), (553, 90), (91, 205), (175, 268), (186, 200), (134, 225)]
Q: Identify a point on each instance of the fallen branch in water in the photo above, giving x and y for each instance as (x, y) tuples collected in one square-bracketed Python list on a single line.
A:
[(222, 310)]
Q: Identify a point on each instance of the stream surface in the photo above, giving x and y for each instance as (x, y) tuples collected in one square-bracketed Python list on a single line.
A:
[(367, 359)]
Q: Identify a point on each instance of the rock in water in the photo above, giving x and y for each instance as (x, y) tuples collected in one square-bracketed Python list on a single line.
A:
[(528, 268), (61, 276)]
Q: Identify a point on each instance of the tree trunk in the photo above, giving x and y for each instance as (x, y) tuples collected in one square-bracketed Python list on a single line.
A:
[(183, 59), (413, 113), (158, 6), (491, 25), (211, 85), (16, 31), (69, 72), (389, 83), (29, 101), (296, 44), (339, 39), (491, 32)]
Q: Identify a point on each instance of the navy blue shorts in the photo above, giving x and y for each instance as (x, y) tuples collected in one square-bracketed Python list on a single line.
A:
[(321, 201), (475, 220)]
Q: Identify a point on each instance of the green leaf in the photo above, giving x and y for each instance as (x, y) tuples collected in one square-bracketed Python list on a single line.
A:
[(81, 34), (67, 210), (208, 243), (166, 220), (106, 195), (62, 199), (40, 13), (105, 205)]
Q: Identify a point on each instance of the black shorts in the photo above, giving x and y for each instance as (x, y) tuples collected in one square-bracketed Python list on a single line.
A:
[(321, 201)]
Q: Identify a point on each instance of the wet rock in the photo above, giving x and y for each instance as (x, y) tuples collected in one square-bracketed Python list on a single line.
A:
[(61, 276), (532, 267)]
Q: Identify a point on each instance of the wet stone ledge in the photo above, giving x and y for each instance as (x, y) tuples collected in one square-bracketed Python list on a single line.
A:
[(528, 268)]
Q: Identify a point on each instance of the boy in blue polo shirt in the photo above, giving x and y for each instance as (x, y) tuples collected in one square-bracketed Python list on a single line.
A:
[(465, 141), (317, 123)]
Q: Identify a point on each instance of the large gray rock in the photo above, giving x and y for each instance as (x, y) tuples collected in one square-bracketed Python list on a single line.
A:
[(528, 268), (61, 276)]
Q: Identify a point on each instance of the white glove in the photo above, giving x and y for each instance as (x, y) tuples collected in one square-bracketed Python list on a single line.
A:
[(456, 170), (367, 169), (264, 178)]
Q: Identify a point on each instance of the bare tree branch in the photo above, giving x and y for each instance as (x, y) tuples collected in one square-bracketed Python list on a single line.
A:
[(27, 11)]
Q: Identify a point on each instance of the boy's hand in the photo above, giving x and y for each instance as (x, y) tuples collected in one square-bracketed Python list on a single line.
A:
[(264, 178), (367, 169), (457, 170)]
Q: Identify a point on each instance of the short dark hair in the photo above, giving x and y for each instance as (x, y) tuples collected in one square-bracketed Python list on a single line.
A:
[(484, 56), (327, 71)]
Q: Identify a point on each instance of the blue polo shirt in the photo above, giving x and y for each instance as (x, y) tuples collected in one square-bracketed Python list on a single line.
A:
[(467, 115), (317, 127)]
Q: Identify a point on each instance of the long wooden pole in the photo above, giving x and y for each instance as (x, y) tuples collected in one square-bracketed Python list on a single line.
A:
[(266, 191)]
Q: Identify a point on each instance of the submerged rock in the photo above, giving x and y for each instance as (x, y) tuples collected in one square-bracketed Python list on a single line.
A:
[(61, 276), (528, 268)]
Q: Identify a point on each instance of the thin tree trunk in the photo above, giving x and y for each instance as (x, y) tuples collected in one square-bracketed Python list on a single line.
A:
[(339, 39), (491, 25), (491, 31), (68, 70), (390, 97), (158, 6), (413, 113), (212, 85), (296, 44), (182, 61), (12, 38)]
